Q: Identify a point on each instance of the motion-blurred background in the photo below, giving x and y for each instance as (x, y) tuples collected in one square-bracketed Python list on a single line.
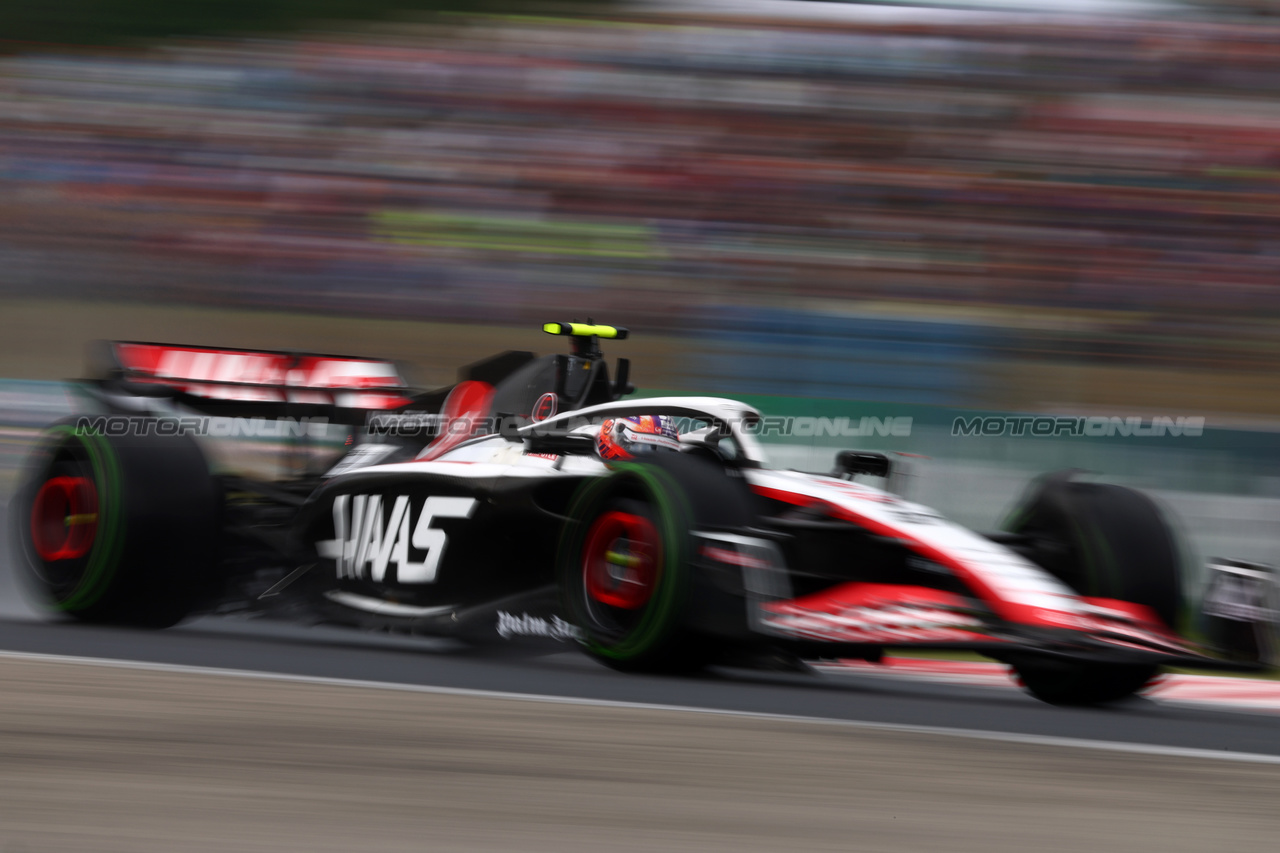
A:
[(1062, 207)]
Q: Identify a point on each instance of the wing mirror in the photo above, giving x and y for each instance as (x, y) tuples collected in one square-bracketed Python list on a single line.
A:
[(850, 463)]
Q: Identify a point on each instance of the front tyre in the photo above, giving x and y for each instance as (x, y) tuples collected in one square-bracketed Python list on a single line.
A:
[(1073, 683), (626, 560), (1104, 541), (624, 570), (117, 529)]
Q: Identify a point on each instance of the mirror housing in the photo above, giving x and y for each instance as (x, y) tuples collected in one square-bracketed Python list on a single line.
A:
[(850, 463)]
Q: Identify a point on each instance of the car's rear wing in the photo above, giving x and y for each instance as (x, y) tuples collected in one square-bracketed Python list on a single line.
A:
[(251, 376), (248, 384)]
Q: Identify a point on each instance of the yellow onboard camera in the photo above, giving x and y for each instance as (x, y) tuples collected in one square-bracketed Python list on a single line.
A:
[(585, 330)]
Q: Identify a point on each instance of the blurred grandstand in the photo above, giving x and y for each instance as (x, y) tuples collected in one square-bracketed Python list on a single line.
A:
[(1002, 211)]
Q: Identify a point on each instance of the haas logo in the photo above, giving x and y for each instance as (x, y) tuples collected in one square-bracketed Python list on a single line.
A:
[(366, 539), (546, 407)]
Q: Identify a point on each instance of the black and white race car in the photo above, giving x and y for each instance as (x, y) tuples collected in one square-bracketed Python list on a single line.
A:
[(486, 510)]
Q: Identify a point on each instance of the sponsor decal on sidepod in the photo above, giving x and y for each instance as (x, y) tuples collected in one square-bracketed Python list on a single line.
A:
[(525, 625)]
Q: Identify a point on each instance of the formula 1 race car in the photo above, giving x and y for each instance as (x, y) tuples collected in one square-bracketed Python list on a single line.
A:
[(533, 499)]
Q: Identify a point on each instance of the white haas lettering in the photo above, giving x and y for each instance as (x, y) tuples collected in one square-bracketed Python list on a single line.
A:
[(362, 537)]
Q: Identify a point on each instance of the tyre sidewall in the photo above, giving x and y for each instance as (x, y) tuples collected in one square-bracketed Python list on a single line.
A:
[(653, 640), (156, 549), (58, 444)]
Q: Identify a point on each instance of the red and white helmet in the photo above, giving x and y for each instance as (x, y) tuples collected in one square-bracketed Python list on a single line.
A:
[(626, 438)]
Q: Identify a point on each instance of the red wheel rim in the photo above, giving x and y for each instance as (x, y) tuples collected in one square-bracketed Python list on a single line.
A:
[(64, 518), (621, 560)]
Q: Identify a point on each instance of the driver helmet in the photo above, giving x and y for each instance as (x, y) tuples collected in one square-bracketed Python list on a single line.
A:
[(626, 438)]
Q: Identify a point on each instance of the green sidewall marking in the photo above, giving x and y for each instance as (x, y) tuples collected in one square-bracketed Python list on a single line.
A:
[(104, 558)]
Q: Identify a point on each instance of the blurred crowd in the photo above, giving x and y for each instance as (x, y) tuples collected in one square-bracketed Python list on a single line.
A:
[(1060, 191)]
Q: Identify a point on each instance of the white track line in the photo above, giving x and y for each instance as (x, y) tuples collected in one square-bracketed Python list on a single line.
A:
[(944, 731)]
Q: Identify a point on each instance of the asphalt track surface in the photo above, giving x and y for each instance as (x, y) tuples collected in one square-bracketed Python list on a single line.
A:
[(262, 646), (105, 759), (255, 735)]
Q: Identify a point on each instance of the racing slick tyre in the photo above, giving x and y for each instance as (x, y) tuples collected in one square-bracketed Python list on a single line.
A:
[(1074, 683), (625, 559), (118, 529), (1103, 541)]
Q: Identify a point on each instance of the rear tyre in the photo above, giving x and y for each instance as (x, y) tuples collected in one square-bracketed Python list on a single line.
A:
[(1103, 541), (118, 529), (625, 560)]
